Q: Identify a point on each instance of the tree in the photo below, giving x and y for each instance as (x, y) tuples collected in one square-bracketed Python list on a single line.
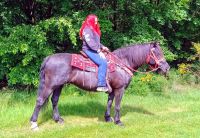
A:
[(33, 29)]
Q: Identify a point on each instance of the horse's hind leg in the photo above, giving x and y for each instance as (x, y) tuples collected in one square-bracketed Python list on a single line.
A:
[(42, 97), (109, 105), (54, 100)]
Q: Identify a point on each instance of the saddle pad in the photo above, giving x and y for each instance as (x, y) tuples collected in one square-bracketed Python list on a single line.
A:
[(86, 64)]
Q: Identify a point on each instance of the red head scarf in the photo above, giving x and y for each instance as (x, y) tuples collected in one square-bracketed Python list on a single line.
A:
[(90, 21)]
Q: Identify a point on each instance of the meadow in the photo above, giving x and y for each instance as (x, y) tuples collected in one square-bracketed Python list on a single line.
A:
[(173, 114)]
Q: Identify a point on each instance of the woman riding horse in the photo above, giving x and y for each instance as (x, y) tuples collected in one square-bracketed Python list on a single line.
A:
[(56, 71), (90, 34)]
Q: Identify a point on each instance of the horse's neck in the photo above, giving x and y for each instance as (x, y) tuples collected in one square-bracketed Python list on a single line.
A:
[(138, 58)]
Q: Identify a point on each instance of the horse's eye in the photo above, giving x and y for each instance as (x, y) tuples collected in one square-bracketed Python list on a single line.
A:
[(152, 61)]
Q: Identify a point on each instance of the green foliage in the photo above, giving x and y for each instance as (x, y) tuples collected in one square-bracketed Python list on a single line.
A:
[(138, 86), (144, 84), (24, 48), (29, 31), (191, 70), (59, 30), (22, 52)]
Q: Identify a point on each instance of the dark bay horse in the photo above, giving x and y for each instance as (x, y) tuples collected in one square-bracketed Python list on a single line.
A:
[(56, 71)]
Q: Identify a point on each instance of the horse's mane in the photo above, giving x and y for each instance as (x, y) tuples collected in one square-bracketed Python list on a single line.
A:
[(135, 54)]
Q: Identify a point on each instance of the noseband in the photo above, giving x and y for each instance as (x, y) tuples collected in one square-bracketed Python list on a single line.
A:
[(153, 56)]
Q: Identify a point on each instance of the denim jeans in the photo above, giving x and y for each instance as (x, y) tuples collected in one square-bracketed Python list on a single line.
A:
[(102, 64)]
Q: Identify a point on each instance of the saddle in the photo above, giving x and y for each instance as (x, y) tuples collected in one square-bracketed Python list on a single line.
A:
[(83, 62)]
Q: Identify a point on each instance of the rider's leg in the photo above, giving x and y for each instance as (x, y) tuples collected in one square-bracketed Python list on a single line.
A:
[(102, 63)]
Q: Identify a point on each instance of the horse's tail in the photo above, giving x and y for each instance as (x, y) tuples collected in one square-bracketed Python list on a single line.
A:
[(42, 75)]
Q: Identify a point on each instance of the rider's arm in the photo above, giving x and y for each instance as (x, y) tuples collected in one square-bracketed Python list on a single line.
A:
[(89, 38)]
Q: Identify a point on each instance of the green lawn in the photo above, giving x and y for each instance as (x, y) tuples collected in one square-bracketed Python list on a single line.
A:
[(175, 114)]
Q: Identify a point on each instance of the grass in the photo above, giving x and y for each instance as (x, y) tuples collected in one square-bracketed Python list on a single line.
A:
[(170, 115)]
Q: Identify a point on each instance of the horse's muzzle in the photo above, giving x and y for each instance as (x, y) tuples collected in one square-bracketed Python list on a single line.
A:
[(164, 69)]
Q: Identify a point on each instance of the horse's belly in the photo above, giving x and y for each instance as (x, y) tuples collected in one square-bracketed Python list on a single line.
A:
[(84, 80)]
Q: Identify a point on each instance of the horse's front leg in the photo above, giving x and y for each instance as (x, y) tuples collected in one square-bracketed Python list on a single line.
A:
[(118, 97), (109, 105)]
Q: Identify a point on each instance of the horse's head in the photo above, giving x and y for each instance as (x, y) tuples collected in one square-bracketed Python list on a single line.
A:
[(156, 59)]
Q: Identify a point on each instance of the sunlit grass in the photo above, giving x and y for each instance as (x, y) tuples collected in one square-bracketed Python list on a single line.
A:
[(169, 115)]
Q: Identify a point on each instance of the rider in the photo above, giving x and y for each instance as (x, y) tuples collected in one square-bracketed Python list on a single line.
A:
[(90, 34)]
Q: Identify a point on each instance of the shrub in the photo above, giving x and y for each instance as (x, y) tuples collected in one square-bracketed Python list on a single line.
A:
[(190, 72), (144, 84), (25, 46), (138, 86)]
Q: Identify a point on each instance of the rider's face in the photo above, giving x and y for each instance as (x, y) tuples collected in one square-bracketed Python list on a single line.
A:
[(96, 21)]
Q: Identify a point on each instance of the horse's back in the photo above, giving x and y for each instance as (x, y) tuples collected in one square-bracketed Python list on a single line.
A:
[(59, 58)]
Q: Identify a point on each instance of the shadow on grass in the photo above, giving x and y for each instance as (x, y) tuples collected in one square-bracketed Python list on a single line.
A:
[(90, 110)]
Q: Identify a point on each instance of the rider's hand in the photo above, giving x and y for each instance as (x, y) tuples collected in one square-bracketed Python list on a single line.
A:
[(101, 54), (105, 48)]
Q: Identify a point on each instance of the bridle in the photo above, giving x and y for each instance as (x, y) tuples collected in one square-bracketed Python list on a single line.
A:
[(150, 56), (153, 56)]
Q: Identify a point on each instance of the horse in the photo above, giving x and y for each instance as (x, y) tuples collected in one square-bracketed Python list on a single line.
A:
[(56, 70)]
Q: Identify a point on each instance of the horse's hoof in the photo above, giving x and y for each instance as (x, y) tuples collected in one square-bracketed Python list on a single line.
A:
[(60, 121), (34, 126), (35, 129), (119, 123), (108, 119)]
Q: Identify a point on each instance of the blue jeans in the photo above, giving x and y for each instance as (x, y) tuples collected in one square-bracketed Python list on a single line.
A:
[(102, 64)]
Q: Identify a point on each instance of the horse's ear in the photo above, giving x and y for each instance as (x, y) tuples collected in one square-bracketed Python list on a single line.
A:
[(156, 44)]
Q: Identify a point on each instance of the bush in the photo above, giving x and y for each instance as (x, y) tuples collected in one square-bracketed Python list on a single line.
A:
[(144, 84), (138, 87), (25, 46), (190, 72), (158, 84)]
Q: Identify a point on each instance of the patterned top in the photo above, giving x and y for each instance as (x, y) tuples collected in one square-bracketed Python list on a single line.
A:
[(91, 40)]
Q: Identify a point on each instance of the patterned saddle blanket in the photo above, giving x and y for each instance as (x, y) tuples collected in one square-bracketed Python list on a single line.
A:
[(82, 62)]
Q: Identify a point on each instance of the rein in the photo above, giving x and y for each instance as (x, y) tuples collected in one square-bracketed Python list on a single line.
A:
[(151, 55), (130, 70)]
